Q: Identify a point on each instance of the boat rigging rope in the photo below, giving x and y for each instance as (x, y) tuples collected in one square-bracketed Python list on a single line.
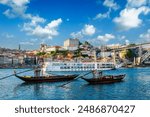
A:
[(14, 74), (75, 78)]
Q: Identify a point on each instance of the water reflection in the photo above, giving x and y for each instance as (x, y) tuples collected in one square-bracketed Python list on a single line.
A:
[(136, 85)]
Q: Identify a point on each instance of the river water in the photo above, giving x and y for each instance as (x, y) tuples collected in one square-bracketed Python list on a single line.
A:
[(136, 86)]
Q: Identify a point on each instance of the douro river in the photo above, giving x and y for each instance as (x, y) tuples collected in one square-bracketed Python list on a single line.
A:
[(135, 86)]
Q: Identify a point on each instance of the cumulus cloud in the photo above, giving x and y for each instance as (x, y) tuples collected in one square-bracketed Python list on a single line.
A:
[(77, 35), (136, 3), (88, 30), (129, 17), (145, 37), (103, 15), (17, 8), (48, 31), (106, 37), (20, 2), (101, 39), (111, 4)]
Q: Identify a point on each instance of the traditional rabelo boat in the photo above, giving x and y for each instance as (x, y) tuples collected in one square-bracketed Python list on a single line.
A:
[(105, 79), (49, 78)]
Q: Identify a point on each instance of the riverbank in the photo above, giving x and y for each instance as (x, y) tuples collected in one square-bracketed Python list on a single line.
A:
[(136, 66), (29, 67), (16, 67)]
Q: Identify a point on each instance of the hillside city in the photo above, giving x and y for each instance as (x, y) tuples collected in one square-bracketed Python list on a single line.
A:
[(74, 50)]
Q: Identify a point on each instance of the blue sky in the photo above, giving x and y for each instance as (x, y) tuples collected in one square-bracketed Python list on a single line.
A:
[(32, 22)]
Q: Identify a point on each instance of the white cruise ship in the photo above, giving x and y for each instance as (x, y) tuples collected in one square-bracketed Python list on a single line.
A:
[(78, 66)]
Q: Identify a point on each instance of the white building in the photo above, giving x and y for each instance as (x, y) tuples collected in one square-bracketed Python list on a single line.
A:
[(71, 44), (5, 60), (54, 48)]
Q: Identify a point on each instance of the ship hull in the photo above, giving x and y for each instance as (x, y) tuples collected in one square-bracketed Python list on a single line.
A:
[(77, 67), (105, 79), (47, 78)]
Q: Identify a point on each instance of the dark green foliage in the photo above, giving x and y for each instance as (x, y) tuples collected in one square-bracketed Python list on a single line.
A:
[(41, 53), (129, 54)]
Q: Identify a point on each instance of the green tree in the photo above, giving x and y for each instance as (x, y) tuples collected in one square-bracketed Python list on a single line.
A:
[(129, 54), (41, 53)]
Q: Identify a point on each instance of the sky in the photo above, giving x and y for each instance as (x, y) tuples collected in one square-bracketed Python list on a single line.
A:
[(100, 22)]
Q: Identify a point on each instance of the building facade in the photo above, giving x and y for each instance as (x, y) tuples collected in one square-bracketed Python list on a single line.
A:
[(71, 44)]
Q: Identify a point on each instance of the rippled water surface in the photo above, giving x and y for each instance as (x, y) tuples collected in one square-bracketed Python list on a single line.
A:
[(136, 86)]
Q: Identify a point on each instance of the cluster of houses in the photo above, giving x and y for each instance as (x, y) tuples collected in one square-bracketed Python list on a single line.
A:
[(74, 48), (127, 53), (15, 58)]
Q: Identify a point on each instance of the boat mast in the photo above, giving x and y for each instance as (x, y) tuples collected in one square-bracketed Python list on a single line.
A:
[(114, 57), (95, 59)]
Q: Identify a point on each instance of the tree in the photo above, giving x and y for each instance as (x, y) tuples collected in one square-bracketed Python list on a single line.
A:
[(131, 45), (129, 54), (41, 53), (87, 43)]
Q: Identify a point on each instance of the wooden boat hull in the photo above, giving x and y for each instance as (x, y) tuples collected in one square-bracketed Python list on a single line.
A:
[(47, 78), (105, 79)]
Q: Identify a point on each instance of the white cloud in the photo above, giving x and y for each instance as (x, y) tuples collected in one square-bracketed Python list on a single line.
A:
[(17, 8), (9, 14), (145, 37), (34, 19), (101, 39), (127, 42), (112, 45), (136, 3), (54, 24), (129, 17), (47, 31), (77, 35), (8, 36), (20, 2), (27, 43), (88, 30), (111, 4), (106, 37), (122, 37), (103, 15), (4, 1)]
